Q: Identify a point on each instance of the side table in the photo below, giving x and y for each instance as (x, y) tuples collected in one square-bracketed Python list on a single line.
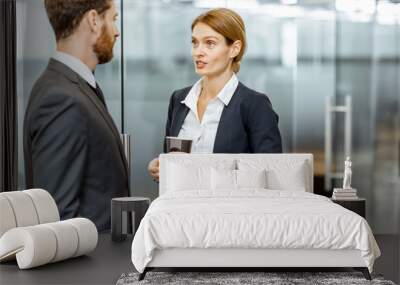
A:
[(357, 205), (126, 214)]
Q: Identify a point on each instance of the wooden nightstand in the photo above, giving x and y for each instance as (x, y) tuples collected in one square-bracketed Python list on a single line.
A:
[(356, 205)]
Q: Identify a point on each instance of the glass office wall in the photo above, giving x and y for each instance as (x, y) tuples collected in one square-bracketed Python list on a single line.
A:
[(385, 121), (297, 54), (368, 69), (35, 45), (35, 42), (289, 57)]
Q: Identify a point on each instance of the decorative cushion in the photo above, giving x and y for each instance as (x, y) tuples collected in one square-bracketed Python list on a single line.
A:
[(293, 180), (290, 171), (223, 179), (281, 174), (183, 177), (227, 179), (185, 174), (251, 178)]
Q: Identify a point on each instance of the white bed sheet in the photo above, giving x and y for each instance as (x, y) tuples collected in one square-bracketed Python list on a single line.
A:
[(251, 218)]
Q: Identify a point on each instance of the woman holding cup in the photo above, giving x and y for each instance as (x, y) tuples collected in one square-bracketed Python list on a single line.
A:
[(218, 113)]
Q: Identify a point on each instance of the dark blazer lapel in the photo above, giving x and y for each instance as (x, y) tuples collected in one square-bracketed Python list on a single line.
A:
[(178, 120), (74, 77), (106, 116), (222, 138), (102, 98), (83, 85), (218, 143)]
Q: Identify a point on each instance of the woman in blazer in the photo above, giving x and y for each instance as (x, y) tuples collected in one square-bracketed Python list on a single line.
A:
[(219, 113)]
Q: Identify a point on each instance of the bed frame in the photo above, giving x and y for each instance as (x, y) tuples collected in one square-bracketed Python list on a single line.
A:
[(246, 258), (242, 259)]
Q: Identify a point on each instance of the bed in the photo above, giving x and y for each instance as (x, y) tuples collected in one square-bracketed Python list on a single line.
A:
[(247, 210)]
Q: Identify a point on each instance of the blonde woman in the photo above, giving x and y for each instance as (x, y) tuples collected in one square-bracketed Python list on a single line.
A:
[(219, 113)]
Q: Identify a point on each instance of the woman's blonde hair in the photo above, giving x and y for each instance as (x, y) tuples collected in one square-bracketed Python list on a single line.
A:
[(229, 24)]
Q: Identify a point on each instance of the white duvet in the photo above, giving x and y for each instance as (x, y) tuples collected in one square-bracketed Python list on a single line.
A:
[(250, 219)]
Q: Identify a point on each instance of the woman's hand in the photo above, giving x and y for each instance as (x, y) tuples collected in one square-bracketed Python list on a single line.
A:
[(154, 169)]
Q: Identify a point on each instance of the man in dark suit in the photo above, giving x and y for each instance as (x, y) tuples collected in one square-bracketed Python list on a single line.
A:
[(72, 147)]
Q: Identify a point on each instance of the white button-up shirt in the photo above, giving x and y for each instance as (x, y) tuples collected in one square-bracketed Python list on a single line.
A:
[(203, 134), (76, 65)]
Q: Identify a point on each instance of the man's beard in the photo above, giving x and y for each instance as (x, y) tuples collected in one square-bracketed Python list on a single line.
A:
[(103, 48)]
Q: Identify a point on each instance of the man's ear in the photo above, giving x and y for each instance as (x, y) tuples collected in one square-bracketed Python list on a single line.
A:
[(93, 20), (236, 47)]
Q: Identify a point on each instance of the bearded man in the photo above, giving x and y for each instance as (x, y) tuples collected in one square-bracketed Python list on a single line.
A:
[(72, 147)]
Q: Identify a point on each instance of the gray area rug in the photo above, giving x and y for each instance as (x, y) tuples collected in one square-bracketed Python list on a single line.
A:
[(230, 278)]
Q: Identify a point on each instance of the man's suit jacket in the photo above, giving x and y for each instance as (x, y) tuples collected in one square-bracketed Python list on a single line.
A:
[(248, 124), (72, 147)]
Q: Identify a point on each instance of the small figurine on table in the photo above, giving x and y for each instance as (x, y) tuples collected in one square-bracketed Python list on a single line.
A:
[(347, 174)]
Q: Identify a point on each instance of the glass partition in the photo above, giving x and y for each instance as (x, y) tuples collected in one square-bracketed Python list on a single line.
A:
[(290, 57), (368, 69), (297, 54)]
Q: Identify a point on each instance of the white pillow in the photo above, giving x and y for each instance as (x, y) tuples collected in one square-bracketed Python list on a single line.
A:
[(181, 177), (287, 174), (237, 179), (223, 179), (186, 174), (293, 180), (251, 178)]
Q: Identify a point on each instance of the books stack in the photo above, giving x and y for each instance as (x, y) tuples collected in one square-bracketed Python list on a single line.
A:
[(344, 194)]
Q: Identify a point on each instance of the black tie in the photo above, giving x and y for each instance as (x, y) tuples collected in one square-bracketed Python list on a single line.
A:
[(99, 94)]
